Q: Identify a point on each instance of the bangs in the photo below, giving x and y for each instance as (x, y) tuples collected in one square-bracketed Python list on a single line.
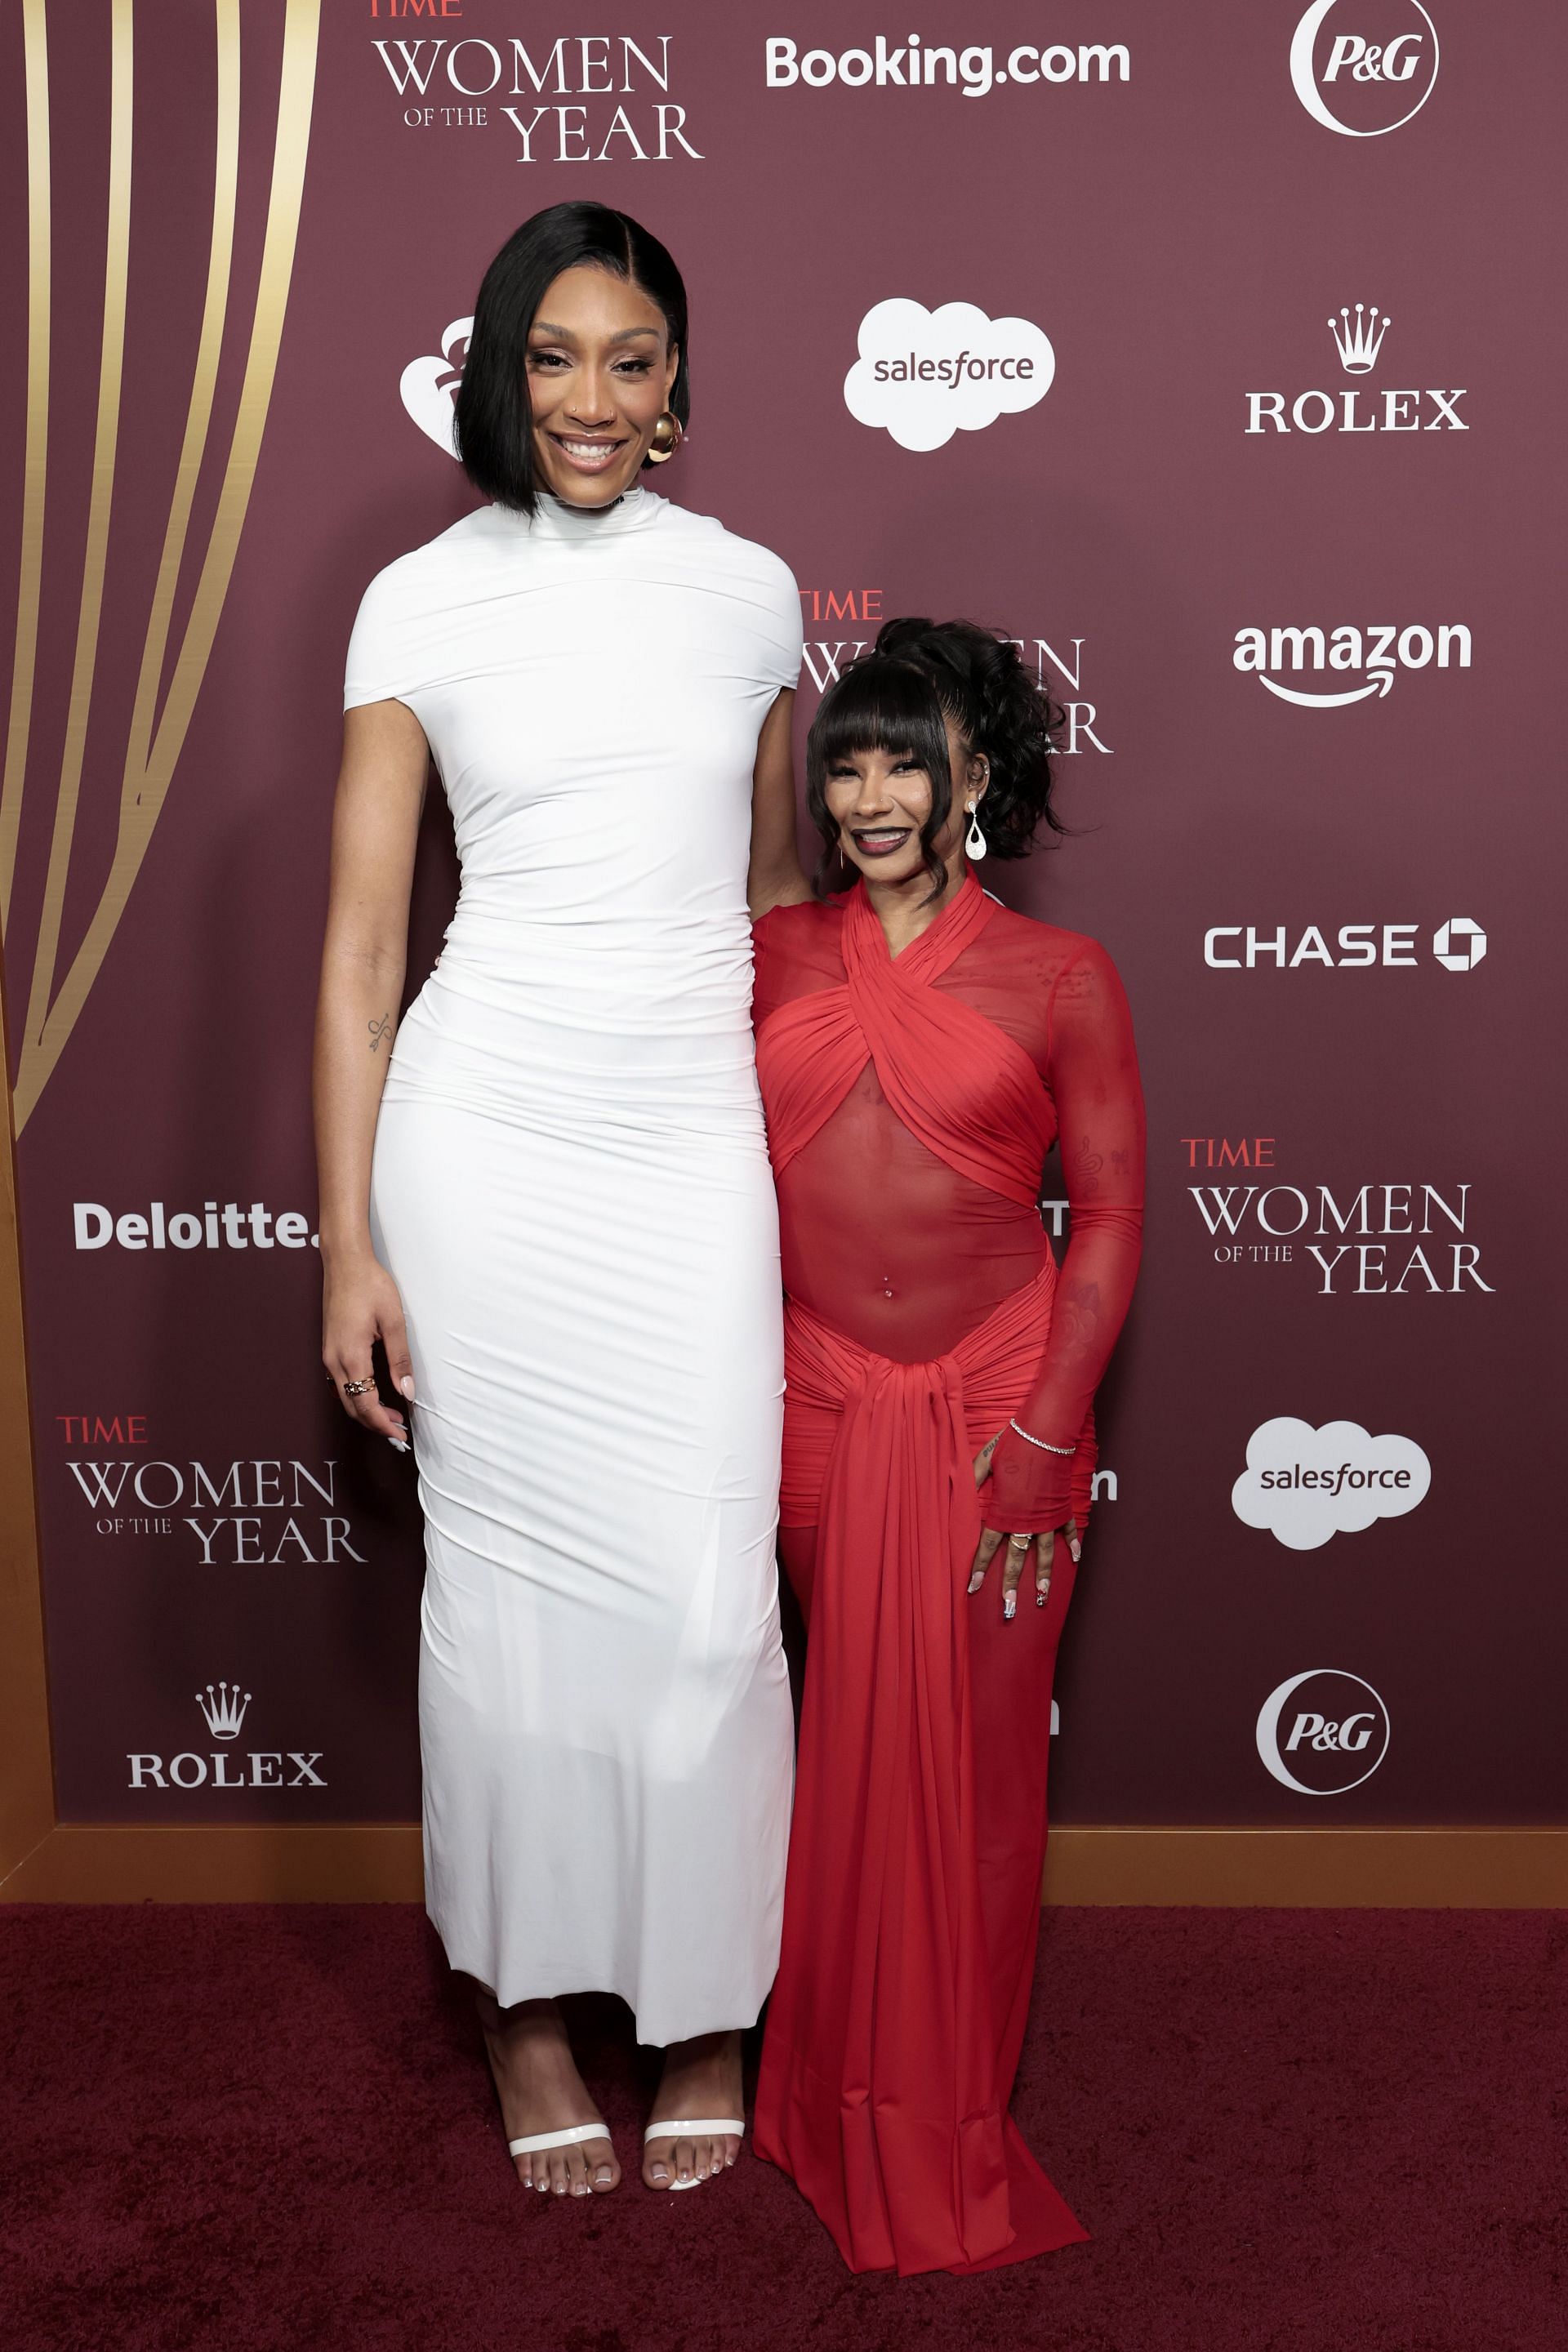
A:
[(881, 706)]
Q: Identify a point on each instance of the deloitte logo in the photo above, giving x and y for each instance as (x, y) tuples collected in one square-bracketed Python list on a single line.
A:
[(1364, 68), (925, 375), (1323, 1733)]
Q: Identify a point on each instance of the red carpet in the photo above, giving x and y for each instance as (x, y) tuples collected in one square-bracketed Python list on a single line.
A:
[(1289, 2132)]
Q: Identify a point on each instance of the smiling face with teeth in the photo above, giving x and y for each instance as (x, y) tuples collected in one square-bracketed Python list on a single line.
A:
[(600, 369), (879, 799)]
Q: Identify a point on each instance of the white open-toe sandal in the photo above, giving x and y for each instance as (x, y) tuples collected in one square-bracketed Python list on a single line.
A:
[(537, 2143), (695, 2127)]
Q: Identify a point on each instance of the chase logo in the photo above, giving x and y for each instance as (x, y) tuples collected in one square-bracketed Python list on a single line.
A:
[(1364, 68)]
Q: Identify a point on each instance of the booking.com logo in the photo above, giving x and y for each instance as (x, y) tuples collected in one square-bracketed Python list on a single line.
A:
[(914, 65)]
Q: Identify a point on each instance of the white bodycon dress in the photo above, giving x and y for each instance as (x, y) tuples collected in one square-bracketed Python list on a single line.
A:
[(571, 1191)]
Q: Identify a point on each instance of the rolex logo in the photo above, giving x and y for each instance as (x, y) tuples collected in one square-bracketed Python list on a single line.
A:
[(224, 1709), (1357, 407), (1358, 340)]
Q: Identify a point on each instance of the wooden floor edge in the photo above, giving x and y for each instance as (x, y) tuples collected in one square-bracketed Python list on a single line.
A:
[(110, 1862), (1441, 1868), (1396, 1869)]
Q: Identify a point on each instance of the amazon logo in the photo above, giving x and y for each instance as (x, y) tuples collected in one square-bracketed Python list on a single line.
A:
[(1367, 659)]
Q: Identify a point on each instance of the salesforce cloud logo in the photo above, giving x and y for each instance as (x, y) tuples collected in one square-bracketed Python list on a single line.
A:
[(924, 375), (1305, 1485)]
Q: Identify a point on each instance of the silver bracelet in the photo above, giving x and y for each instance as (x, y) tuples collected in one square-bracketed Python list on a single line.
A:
[(1044, 1446)]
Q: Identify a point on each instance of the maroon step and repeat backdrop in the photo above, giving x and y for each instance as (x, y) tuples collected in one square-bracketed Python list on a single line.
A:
[(1274, 507)]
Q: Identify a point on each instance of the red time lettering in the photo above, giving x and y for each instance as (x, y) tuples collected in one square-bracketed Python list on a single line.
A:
[(1251, 1151), (841, 603)]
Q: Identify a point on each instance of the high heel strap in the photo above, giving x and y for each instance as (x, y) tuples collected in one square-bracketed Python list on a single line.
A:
[(535, 2143), (695, 2127)]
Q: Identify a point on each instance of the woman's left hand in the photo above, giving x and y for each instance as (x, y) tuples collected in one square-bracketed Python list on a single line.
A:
[(1018, 1550)]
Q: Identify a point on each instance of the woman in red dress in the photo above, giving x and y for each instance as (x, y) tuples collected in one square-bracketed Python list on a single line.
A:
[(919, 1049)]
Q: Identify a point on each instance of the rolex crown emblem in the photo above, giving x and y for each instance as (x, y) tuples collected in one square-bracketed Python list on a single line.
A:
[(224, 1708), (1359, 340)]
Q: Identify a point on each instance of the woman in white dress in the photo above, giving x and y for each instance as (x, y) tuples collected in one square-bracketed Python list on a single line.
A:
[(550, 1199)]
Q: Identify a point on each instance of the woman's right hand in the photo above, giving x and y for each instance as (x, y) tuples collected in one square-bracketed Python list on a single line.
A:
[(361, 1305)]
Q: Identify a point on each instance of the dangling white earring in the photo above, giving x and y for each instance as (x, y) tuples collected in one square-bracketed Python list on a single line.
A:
[(973, 840)]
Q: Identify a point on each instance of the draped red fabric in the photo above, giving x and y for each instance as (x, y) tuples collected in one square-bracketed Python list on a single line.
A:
[(941, 1065), (909, 1108)]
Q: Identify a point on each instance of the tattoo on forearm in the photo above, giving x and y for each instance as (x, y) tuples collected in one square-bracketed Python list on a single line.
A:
[(378, 1029), (1077, 1320)]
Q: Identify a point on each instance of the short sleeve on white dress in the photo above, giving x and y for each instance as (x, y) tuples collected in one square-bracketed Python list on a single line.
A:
[(383, 663)]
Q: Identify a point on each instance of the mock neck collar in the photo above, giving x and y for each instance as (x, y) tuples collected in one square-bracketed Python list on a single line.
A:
[(553, 518)]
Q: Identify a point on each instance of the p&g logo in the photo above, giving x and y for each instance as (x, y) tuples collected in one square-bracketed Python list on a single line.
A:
[(1323, 1733), (1368, 70)]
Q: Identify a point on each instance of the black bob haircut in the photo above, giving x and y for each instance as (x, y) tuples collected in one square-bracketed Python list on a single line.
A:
[(494, 416), (898, 698)]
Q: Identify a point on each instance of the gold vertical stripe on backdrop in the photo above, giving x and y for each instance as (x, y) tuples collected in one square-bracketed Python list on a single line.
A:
[(198, 416), (147, 774), (111, 373), (36, 55)]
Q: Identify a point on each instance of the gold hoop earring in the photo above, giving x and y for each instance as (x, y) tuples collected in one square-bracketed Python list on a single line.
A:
[(667, 436)]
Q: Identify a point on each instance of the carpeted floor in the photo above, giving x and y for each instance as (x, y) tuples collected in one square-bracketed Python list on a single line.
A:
[(266, 2130)]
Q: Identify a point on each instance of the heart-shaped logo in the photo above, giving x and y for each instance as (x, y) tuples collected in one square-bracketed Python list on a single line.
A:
[(427, 385)]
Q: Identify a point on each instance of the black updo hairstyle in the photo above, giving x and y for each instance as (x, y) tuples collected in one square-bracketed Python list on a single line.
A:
[(896, 698), (494, 416)]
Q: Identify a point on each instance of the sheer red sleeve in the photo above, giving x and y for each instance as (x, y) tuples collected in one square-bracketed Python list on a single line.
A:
[(1092, 1072)]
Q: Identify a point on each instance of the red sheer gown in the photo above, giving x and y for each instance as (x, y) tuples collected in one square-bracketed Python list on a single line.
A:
[(910, 1102)]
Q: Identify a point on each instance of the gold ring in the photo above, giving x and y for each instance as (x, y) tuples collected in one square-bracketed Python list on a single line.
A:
[(358, 1388)]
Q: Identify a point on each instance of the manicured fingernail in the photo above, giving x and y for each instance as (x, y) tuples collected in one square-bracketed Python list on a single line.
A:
[(1039, 1600), (1076, 1550), (975, 1583), (603, 2173), (661, 2173), (397, 1444), (1010, 1606), (406, 1385)]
